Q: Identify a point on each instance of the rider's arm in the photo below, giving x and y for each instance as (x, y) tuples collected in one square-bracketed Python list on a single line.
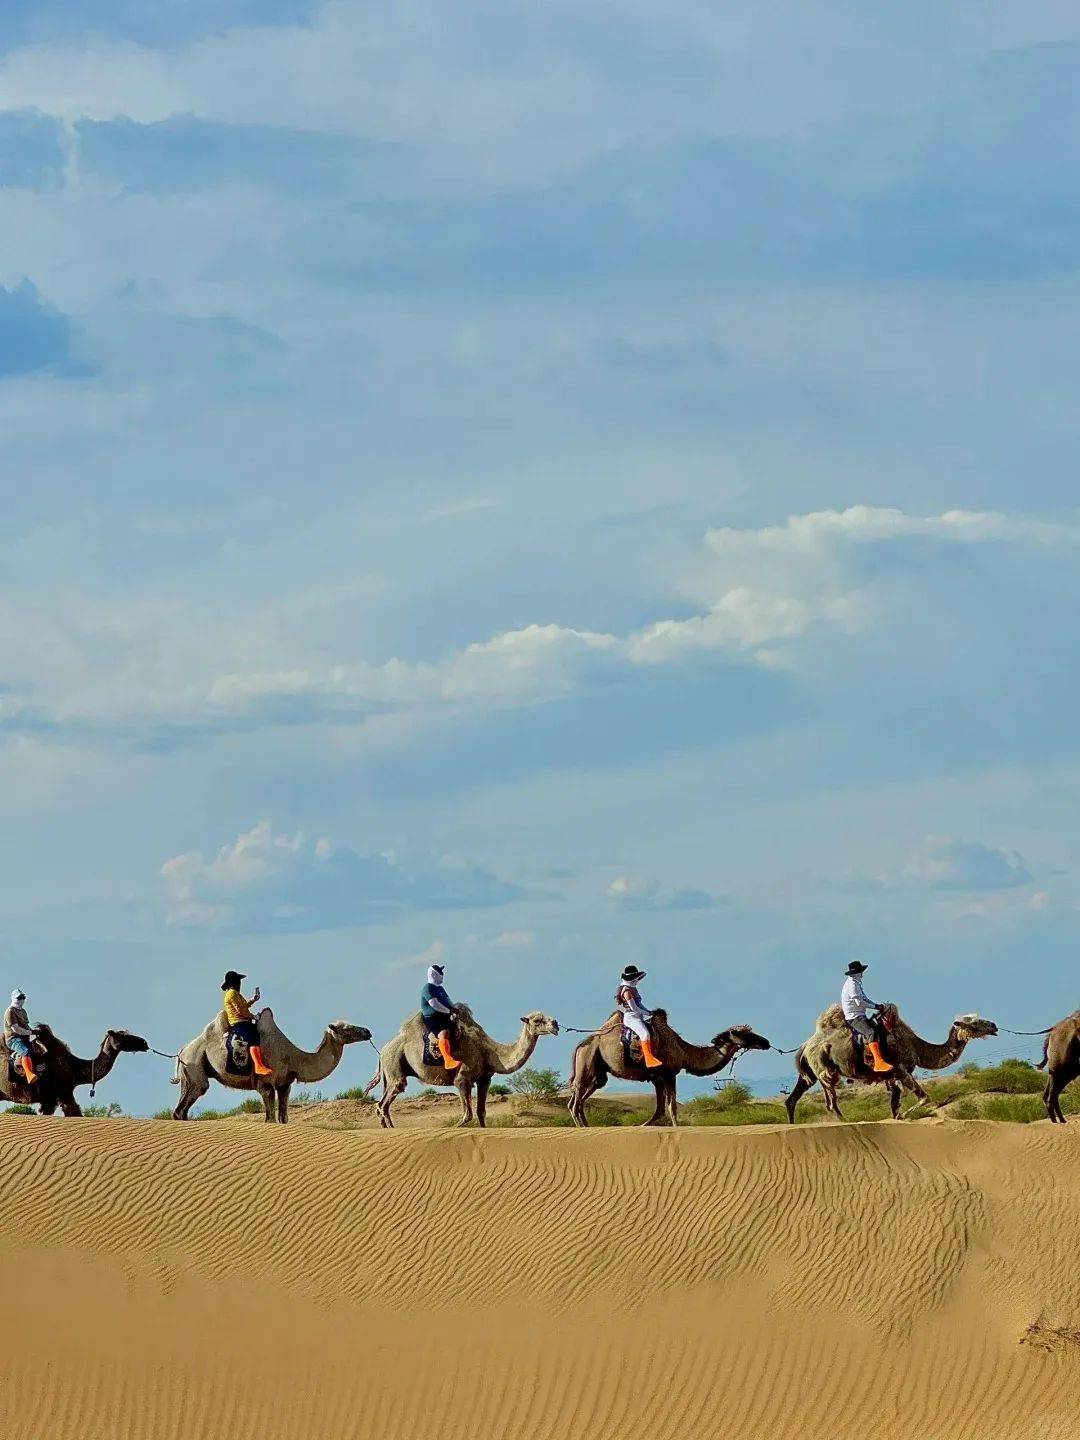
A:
[(16, 1026), (439, 1000)]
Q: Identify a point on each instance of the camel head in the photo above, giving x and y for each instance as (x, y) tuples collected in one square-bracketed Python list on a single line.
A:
[(973, 1027), (539, 1023), (346, 1034), (743, 1037), (124, 1042)]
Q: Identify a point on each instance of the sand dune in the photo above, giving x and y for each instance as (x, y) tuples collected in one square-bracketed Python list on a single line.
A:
[(249, 1281)]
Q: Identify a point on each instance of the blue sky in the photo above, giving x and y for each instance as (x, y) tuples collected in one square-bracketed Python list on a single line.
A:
[(543, 486)]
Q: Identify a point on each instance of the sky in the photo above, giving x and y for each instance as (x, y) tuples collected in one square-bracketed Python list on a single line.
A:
[(538, 486)]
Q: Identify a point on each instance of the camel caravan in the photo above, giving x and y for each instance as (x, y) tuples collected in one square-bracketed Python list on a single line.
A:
[(442, 1045)]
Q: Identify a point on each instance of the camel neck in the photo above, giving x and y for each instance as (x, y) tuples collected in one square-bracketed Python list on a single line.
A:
[(509, 1058)]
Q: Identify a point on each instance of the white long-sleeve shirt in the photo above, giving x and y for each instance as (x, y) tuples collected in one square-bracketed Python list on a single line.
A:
[(630, 1002), (854, 1000)]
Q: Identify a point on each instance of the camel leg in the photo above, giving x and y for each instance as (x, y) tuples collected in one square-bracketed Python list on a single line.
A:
[(894, 1099), (659, 1115), (195, 1085), (832, 1103), (482, 1084), (70, 1106), (464, 1086), (391, 1090), (576, 1103), (1055, 1083), (283, 1104), (47, 1107), (908, 1081), (673, 1101), (795, 1094)]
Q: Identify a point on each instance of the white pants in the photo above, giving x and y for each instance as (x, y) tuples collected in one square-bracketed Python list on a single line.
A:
[(862, 1026), (637, 1025)]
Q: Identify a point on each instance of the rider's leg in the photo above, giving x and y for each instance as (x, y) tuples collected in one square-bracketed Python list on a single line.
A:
[(641, 1030), (445, 1051), (874, 1057)]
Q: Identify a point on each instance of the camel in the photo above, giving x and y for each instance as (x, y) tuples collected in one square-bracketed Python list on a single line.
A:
[(830, 1053), (482, 1058), (1061, 1051), (203, 1060), (60, 1071), (603, 1054)]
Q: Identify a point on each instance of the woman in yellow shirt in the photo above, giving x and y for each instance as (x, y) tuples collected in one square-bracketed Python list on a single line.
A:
[(240, 1019)]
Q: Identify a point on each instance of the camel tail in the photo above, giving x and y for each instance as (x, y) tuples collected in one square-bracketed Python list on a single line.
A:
[(374, 1079), (1046, 1051)]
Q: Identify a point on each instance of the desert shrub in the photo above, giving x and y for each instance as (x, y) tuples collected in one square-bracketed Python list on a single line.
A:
[(536, 1084), (356, 1092), (499, 1089), (250, 1106), (20, 1110), (103, 1112), (303, 1098), (165, 1114), (428, 1093)]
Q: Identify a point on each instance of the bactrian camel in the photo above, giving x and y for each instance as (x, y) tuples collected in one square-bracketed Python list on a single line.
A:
[(830, 1054), (60, 1072), (203, 1060), (604, 1054), (1061, 1053), (482, 1058)]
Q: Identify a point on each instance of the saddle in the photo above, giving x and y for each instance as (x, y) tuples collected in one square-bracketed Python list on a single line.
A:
[(882, 1033), (432, 1055), (237, 1054), (631, 1044), (15, 1073)]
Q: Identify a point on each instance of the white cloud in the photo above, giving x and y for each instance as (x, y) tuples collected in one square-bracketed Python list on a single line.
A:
[(631, 892), (941, 863), (264, 881), (155, 669)]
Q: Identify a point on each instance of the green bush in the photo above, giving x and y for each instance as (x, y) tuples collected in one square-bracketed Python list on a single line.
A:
[(301, 1099), (20, 1110), (536, 1084), (499, 1089), (357, 1092), (103, 1112)]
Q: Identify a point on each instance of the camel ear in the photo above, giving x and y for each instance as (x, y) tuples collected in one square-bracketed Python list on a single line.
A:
[(524, 1019)]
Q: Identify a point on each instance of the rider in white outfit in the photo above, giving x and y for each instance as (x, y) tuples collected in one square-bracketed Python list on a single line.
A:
[(856, 1005), (634, 1014)]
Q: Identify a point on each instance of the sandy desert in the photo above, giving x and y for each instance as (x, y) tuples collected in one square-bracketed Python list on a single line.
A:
[(235, 1280)]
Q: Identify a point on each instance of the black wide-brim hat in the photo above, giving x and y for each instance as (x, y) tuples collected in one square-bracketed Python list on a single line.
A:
[(855, 968), (232, 979), (632, 973)]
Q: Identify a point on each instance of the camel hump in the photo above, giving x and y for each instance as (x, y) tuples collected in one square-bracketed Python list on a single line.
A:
[(831, 1018)]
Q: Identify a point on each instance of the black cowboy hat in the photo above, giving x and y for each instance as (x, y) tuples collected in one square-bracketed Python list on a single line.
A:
[(232, 980), (855, 968), (632, 973)]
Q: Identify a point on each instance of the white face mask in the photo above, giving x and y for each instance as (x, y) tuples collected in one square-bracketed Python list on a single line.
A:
[(17, 999), (434, 976)]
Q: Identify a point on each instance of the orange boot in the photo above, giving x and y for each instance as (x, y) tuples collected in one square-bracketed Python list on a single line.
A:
[(261, 1067), (28, 1070), (445, 1051), (876, 1060), (651, 1062)]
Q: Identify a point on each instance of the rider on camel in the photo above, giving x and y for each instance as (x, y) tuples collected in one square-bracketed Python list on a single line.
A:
[(18, 1037), (240, 1019), (438, 1013), (635, 1017), (856, 1005)]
